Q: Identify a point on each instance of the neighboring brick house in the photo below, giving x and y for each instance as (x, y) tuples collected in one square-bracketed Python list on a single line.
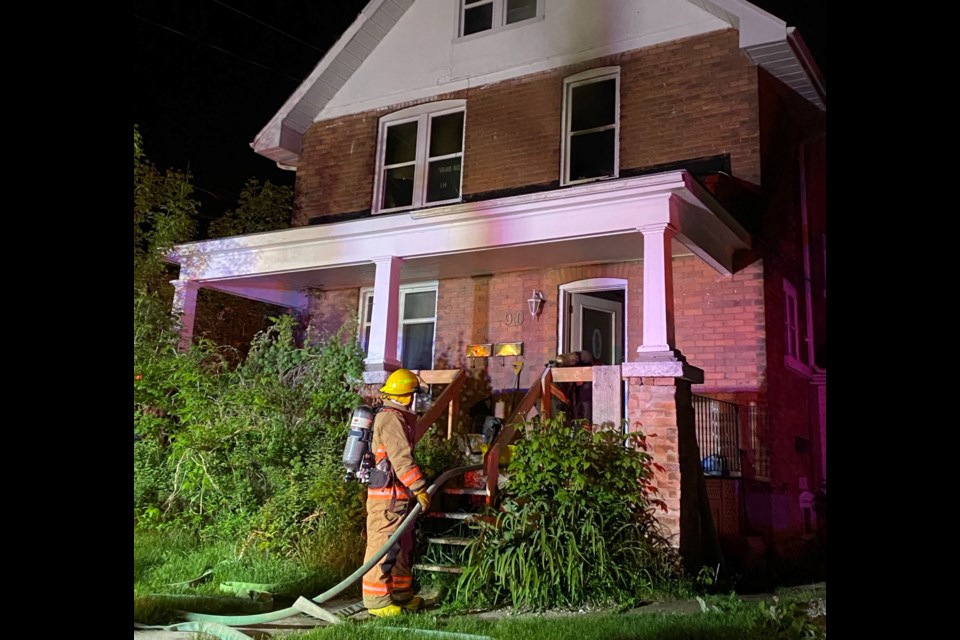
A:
[(655, 168)]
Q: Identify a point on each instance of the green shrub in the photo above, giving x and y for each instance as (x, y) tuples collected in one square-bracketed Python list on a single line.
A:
[(576, 524), (249, 452), (436, 455)]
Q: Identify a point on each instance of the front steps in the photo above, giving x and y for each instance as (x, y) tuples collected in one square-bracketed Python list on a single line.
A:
[(446, 531)]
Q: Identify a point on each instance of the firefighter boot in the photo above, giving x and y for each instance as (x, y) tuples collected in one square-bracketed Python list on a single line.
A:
[(413, 604), (386, 612)]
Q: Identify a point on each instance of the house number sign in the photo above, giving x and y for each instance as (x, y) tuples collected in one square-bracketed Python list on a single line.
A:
[(514, 319)]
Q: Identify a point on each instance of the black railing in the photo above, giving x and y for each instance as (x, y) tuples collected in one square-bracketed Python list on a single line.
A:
[(758, 441), (718, 434)]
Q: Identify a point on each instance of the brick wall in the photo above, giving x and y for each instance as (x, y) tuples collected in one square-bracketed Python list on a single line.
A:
[(329, 310), (668, 423), (688, 99), (720, 324)]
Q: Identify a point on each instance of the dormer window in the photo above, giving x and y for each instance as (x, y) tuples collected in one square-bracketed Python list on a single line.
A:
[(483, 15), (420, 156)]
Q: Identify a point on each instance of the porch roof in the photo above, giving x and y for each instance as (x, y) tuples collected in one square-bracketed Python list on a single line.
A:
[(599, 222)]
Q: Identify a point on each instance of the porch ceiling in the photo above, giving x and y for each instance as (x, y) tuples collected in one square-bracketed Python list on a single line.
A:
[(587, 224)]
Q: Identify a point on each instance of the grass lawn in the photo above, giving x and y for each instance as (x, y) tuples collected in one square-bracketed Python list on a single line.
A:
[(746, 621), (164, 565)]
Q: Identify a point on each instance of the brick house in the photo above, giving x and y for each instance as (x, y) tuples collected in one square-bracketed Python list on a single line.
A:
[(654, 170)]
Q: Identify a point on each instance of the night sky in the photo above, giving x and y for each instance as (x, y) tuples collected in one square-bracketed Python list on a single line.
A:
[(209, 74)]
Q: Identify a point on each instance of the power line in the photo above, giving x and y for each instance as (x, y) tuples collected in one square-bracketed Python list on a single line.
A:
[(257, 20), (216, 48)]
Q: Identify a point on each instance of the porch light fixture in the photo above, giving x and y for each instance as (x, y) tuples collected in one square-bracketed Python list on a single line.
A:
[(535, 303), (504, 349), (481, 350)]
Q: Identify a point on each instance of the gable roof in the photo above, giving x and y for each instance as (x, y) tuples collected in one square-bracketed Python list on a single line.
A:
[(764, 38)]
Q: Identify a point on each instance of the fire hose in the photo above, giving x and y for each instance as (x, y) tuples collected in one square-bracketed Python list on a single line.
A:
[(195, 620)]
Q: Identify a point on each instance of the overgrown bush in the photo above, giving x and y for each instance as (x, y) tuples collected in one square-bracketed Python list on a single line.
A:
[(251, 452), (575, 524)]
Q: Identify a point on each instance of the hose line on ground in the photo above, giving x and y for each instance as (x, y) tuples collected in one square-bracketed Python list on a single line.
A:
[(273, 616)]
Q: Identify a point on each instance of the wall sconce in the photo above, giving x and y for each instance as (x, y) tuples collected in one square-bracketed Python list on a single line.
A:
[(535, 302), (482, 350), (504, 349)]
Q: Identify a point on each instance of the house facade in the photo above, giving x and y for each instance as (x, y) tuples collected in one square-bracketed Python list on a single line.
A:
[(652, 170)]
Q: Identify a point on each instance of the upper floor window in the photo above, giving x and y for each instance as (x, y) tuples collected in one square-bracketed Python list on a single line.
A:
[(484, 15), (418, 321), (420, 156), (590, 148)]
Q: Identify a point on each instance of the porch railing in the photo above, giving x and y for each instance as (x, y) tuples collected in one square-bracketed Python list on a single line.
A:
[(718, 434)]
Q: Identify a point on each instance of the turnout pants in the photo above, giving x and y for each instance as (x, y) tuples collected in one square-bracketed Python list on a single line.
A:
[(390, 581)]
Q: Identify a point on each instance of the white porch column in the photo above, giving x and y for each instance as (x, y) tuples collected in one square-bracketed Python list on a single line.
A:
[(382, 349), (658, 321), (185, 307)]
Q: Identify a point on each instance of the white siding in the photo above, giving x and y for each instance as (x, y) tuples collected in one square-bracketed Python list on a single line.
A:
[(421, 56)]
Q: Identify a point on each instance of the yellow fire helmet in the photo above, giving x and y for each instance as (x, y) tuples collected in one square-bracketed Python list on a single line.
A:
[(401, 382)]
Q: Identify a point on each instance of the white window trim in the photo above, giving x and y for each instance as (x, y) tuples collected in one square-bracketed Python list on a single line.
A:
[(422, 113), (367, 292), (497, 22), (791, 325), (586, 77)]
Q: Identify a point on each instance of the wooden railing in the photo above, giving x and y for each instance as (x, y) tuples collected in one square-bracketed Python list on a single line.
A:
[(541, 396), (448, 401)]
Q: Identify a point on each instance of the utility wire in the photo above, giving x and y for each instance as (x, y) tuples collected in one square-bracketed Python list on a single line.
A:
[(269, 26), (216, 48)]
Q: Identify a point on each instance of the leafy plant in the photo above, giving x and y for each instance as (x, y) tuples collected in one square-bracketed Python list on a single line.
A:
[(261, 207), (575, 525), (251, 452), (787, 621), (435, 454), (717, 604)]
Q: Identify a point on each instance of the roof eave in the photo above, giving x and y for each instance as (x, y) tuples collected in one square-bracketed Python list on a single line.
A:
[(280, 140)]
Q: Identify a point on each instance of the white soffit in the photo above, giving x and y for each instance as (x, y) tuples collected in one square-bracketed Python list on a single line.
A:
[(773, 46), (426, 43), (592, 223)]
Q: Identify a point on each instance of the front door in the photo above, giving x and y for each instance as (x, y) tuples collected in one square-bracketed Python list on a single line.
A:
[(596, 325)]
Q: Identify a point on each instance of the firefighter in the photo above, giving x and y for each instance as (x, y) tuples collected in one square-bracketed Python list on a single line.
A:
[(388, 585)]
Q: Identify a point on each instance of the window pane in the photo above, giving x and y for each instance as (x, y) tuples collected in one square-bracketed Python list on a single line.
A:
[(593, 105), (591, 155), (518, 10), (419, 305), (418, 346), (443, 180), (366, 340), (401, 143), (398, 187), (477, 19), (368, 315), (446, 134)]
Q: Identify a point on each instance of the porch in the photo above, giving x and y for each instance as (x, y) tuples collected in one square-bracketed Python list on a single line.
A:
[(660, 405)]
